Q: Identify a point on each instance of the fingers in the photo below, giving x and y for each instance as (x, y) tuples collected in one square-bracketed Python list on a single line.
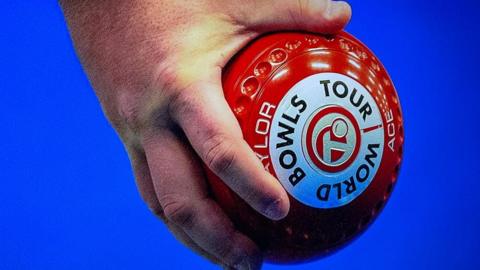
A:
[(147, 191), (184, 238), (144, 180), (213, 131), (322, 16), (179, 183)]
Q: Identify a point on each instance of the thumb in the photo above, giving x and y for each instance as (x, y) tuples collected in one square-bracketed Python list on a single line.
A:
[(321, 16)]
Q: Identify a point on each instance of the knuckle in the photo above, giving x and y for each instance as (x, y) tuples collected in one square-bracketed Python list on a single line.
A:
[(181, 103), (164, 76), (178, 211), (220, 155), (125, 114), (130, 116)]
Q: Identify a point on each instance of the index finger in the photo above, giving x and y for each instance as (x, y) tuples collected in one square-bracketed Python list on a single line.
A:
[(210, 126)]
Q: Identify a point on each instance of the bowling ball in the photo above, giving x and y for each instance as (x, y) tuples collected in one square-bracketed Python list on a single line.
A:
[(323, 116)]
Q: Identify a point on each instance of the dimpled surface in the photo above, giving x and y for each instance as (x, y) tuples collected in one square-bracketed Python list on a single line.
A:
[(266, 70)]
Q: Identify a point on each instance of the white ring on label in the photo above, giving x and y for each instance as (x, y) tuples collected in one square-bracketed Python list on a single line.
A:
[(332, 138)]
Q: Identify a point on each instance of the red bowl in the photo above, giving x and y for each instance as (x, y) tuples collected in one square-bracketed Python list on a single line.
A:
[(323, 116)]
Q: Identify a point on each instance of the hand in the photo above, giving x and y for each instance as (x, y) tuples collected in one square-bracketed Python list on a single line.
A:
[(156, 68)]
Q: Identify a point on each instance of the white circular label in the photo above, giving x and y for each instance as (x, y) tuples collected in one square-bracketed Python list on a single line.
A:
[(327, 140)]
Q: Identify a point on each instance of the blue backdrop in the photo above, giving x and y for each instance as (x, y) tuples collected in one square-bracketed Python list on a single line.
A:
[(67, 194)]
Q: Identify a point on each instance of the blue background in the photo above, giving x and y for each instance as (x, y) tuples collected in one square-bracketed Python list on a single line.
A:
[(67, 194)]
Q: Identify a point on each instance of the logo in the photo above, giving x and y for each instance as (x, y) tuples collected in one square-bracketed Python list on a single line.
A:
[(326, 140), (332, 139)]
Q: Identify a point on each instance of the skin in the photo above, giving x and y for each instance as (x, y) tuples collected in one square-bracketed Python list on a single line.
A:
[(156, 68)]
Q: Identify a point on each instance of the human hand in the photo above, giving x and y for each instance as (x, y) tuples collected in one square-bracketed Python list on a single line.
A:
[(156, 68)]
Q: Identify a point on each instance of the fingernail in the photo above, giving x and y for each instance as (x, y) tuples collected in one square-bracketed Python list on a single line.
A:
[(335, 7), (276, 210)]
